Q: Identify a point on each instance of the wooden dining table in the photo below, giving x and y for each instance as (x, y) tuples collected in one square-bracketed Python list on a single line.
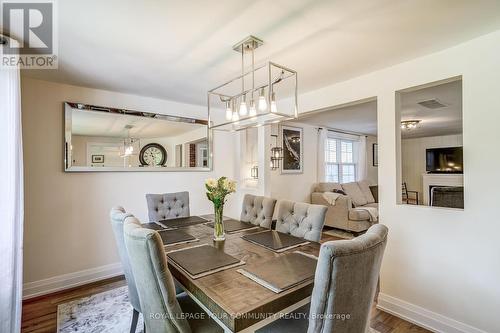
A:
[(237, 303)]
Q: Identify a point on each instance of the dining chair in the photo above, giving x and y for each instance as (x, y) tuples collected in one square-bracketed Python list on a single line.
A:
[(118, 216), (345, 283), (163, 312), (406, 198), (301, 219), (258, 210), (167, 206)]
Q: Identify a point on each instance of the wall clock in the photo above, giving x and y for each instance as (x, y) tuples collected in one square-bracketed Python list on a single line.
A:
[(153, 154)]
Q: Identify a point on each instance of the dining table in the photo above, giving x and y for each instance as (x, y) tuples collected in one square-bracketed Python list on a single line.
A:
[(235, 302)]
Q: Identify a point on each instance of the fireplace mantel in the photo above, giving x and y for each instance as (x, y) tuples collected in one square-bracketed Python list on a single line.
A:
[(439, 179)]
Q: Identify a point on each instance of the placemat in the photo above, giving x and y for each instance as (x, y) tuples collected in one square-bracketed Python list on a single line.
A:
[(153, 226), (231, 226), (283, 272), (202, 260), (211, 217), (172, 237), (274, 240), (181, 222)]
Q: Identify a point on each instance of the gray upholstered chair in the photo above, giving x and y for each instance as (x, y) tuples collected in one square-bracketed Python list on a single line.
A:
[(258, 210), (301, 219), (162, 311), (345, 284), (167, 206), (118, 216)]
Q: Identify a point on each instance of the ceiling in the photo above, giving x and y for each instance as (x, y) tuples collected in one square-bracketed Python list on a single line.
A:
[(104, 124), (358, 118), (362, 117), (177, 50), (434, 122)]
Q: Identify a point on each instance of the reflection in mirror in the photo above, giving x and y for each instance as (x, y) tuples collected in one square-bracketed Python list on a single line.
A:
[(106, 139), (431, 148)]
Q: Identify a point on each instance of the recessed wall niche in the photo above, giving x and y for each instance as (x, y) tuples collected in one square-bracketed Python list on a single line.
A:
[(430, 145)]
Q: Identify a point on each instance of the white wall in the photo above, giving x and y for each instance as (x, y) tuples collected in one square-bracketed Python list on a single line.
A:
[(441, 266), (298, 187), (413, 158), (67, 229)]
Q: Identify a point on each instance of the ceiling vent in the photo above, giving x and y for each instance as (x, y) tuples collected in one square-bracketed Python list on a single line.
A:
[(432, 104)]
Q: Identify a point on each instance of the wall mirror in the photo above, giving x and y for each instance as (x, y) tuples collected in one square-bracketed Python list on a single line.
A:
[(107, 139), (430, 125)]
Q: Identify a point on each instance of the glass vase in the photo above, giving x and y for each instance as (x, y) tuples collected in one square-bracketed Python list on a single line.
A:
[(219, 234)]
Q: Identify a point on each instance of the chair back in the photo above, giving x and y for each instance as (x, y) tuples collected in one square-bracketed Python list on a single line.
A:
[(301, 219), (404, 191), (346, 281), (258, 210), (160, 309), (118, 216), (167, 206)]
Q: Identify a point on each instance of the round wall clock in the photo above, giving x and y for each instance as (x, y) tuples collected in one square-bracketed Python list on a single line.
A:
[(153, 154)]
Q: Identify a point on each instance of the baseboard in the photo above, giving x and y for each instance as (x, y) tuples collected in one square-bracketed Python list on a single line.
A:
[(66, 281), (422, 317)]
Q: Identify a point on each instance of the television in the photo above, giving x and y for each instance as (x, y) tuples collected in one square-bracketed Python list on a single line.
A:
[(444, 160)]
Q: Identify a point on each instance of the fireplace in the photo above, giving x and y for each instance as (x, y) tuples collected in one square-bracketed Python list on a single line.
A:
[(439, 180), (446, 196)]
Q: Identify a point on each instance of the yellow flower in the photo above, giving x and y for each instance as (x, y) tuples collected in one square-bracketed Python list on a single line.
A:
[(210, 182), (225, 184), (229, 185)]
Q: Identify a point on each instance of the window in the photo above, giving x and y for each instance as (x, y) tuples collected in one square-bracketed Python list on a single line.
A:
[(340, 166)]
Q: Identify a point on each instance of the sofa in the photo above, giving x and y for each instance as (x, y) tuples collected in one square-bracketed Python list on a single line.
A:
[(347, 211)]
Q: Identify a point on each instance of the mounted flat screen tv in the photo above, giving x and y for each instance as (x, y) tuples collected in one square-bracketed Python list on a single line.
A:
[(444, 160)]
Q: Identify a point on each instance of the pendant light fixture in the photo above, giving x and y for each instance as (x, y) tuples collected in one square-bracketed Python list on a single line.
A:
[(251, 99), (131, 146)]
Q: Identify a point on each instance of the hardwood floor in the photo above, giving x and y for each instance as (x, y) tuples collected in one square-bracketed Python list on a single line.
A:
[(40, 313)]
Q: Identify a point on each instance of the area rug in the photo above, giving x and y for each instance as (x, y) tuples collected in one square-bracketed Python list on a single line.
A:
[(108, 312)]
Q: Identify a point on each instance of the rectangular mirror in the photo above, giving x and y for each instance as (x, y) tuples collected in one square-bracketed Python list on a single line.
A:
[(107, 139)]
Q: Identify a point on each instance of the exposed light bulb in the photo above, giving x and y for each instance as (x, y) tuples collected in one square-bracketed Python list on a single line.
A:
[(129, 150), (229, 111), (274, 108), (253, 111), (235, 116), (243, 106), (262, 101)]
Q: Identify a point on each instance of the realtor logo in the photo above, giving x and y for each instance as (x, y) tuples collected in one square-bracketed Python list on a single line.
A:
[(31, 27)]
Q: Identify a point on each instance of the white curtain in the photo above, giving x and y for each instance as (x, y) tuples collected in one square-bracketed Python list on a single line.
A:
[(322, 136), (362, 171), (11, 200)]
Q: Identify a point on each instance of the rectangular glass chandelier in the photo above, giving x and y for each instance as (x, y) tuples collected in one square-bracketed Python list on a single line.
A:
[(263, 95)]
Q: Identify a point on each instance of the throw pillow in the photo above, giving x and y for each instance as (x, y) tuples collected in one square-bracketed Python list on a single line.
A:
[(338, 191)]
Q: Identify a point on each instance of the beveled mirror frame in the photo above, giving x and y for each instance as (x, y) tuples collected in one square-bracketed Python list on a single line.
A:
[(68, 106)]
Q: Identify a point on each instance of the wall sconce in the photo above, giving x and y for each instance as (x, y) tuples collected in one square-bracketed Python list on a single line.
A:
[(254, 172), (276, 154)]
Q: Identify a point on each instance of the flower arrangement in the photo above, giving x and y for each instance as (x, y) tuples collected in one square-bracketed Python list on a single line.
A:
[(217, 190)]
